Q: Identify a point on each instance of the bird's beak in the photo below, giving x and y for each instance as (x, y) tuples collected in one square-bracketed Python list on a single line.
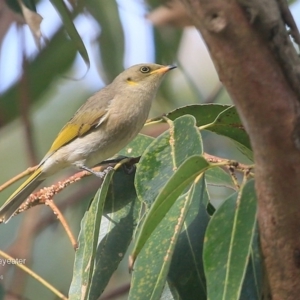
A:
[(163, 69)]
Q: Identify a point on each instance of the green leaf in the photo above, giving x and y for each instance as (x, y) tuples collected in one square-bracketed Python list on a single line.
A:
[(220, 119), (228, 243), (203, 113), (182, 177), (164, 155), (137, 146), (228, 124), (88, 241), (219, 177), (161, 174), (121, 191), (67, 19), (252, 285), (186, 273), (153, 264), (118, 233)]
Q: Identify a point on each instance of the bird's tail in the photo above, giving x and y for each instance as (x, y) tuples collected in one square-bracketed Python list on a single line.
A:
[(19, 196)]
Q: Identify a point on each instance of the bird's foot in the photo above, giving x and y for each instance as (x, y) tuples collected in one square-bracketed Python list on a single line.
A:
[(100, 174)]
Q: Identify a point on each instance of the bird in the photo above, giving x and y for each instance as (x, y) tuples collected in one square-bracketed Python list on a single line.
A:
[(99, 129)]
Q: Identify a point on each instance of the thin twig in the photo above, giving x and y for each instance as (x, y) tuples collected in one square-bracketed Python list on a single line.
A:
[(63, 222), (230, 163), (34, 275), (17, 177)]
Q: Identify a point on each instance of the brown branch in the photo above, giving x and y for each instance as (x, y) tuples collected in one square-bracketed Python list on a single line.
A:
[(47, 193), (230, 163), (63, 221), (267, 101), (73, 199)]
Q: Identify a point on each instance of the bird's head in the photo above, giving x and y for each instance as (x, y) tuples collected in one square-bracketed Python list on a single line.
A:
[(144, 76)]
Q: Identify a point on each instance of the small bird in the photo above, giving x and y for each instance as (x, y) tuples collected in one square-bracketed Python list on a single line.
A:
[(100, 128)]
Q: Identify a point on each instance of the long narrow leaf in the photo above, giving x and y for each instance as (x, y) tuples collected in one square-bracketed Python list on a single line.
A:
[(228, 243), (88, 241), (71, 29), (154, 261), (186, 273), (185, 174)]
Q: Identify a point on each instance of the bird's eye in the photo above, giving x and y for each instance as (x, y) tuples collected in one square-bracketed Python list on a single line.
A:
[(145, 69)]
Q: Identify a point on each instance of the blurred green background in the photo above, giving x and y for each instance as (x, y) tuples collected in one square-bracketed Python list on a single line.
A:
[(42, 88)]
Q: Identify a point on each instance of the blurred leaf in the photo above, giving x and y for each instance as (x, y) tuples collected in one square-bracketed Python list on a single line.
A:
[(111, 39), (153, 264), (88, 241), (48, 60), (2, 292), (67, 20), (114, 244), (228, 242), (15, 6), (166, 41), (186, 272), (33, 20), (221, 119)]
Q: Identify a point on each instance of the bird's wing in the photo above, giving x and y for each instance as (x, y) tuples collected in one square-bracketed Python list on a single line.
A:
[(89, 116), (77, 127)]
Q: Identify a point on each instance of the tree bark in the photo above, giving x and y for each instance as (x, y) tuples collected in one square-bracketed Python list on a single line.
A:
[(263, 85)]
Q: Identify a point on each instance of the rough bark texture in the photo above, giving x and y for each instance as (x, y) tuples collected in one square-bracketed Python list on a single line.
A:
[(263, 90)]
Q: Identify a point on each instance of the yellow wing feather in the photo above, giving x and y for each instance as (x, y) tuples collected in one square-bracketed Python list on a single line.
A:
[(74, 129)]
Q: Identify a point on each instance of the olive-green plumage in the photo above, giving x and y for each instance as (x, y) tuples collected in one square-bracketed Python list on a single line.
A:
[(100, 128)]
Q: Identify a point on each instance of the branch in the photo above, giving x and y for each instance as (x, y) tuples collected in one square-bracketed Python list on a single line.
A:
[(267, 100)]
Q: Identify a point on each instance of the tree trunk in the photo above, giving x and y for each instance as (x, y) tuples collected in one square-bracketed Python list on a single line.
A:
[(257, 64)]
